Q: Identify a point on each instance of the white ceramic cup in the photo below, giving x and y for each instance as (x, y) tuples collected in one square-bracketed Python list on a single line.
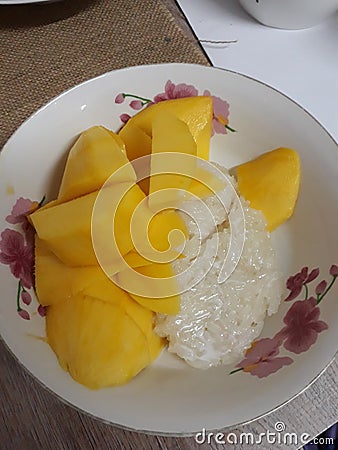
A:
[(290, 14)]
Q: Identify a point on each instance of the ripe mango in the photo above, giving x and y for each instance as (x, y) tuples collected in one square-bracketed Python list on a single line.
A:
[(173, 160), (55, 281), (98, 342), (95, 156), (154, 235), (156, 298), (138, 144), (160, 227), (196, 112), (144, 319), (67, 227), (205, 183), (271, 184)]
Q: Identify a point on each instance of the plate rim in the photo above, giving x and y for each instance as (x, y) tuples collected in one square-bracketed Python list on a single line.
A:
[(164, 433)]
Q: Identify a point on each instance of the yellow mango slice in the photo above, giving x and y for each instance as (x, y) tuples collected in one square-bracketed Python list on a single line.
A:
[(56, 281), (134, 259), (138, 144), (95, 156), (196, 112), (67, 227), (205, 183), (271, 184), (53, 279), (155, 345), (96, 342), (171, 169), (157, 295), (143, 317), (160, 227), (154, 235), (137, 141), (118, 140)]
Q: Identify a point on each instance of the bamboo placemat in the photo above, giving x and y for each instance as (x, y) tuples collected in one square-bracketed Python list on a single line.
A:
[(47, 48)]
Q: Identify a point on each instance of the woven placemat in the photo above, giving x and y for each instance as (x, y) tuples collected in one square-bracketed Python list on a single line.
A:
[(47, 48)]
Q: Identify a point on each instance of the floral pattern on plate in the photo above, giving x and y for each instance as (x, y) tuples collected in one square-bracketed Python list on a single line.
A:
[(302, 326), (221, 108), (17, 251)]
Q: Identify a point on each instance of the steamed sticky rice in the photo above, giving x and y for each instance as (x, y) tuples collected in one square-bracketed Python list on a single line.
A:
[(219, 321)]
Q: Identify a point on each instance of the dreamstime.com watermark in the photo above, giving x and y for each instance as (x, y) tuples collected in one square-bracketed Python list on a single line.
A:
[(278, 436)]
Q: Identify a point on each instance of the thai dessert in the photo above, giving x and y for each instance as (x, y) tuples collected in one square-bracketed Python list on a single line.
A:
[(150, 246), (217, 322)]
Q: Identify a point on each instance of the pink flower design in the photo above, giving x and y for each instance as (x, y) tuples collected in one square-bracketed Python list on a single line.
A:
[(301, 330), (24, 314), (119, 98), (261, 358), (29, 232), (302, 326), (22, 208), (334, 270), (19, 256), (42, 310), (220, 114), (320, 288), (312, 276), (181, 90), (124, 118), (136, 104), (296, 282), (17, 251), (26, 297), (172, 91)]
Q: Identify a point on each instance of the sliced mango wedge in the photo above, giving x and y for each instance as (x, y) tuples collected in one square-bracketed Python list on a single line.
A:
[(56, 281), (94, 157), (137, 141), (138, 144), (171, 171), (67, 227), (196, 112), (205, 183), (160, 227), (271, 184), (98, 343), (158, 237), (157, 299)]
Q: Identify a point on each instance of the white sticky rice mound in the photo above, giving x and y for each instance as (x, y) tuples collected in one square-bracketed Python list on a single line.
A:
[(218, 322)]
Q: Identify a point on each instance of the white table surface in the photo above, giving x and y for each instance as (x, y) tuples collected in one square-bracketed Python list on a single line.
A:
[(302, 64)]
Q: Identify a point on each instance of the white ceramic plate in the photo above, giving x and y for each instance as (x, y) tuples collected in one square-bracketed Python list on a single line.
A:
[(170, 397)]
